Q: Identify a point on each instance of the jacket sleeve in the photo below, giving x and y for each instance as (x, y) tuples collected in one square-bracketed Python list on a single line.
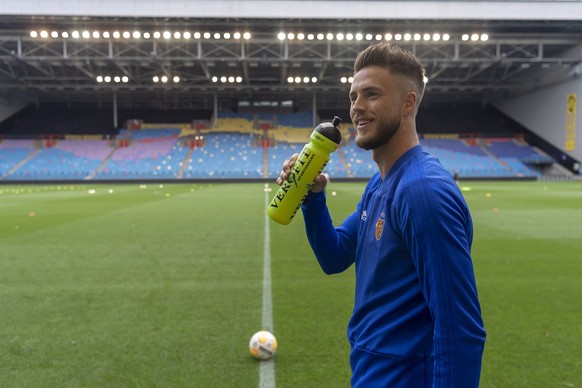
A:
[(334, 248), (437, 230)]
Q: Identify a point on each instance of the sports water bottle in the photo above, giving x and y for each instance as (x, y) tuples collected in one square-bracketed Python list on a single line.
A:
[(310, 163)]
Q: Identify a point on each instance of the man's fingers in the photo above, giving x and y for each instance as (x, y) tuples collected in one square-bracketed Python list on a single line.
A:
[(287, 166)]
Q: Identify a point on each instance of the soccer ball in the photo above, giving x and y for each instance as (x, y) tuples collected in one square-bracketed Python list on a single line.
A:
[(263, 345)]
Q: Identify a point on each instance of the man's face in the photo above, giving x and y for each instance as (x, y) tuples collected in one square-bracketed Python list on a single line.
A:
[(376, 104)]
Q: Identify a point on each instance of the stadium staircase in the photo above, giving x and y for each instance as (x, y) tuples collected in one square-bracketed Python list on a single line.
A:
[(266, 163), (344, 162), (22, 162), (185, 163), (492, 156), (101, 166)]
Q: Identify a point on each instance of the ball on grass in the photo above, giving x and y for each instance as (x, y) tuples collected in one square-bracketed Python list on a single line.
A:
[(263, 345)]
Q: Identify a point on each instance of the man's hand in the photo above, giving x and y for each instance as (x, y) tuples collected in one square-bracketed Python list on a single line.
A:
[(318, 183)]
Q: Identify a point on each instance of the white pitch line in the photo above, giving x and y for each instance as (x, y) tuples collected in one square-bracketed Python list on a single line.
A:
[(267, 370)]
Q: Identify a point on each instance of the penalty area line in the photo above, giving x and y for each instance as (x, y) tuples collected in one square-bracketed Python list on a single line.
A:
[(267, 368)]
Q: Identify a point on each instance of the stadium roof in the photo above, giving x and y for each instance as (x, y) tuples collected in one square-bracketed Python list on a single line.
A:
[(507, 49)]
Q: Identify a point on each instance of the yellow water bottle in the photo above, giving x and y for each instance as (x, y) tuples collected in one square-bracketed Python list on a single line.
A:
[(310, 163)]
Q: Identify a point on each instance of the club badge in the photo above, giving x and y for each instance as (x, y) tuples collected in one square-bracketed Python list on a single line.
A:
[(380, 226)]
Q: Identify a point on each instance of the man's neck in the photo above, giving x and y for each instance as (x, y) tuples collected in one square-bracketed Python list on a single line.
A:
[(387, 155)]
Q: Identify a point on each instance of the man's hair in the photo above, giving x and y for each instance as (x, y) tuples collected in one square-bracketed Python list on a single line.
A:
[(396, 60)]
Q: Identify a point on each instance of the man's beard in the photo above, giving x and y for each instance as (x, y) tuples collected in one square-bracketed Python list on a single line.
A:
[(381, 137)]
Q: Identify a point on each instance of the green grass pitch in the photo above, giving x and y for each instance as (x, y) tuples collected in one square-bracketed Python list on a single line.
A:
[(161, 286)]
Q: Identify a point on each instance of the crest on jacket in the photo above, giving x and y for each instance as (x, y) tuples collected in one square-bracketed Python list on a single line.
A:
[(380, 226)]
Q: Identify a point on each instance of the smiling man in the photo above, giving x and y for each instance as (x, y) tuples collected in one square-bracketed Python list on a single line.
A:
[(416, 320)]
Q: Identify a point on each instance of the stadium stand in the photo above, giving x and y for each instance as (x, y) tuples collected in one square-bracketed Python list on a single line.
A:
[(226, 155), (145, 157), (232, 147), (13, 153)]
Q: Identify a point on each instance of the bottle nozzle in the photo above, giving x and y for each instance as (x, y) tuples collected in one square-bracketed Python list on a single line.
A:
[(336, 121)]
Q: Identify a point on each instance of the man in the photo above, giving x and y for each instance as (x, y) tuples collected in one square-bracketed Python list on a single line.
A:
[(416, 320)]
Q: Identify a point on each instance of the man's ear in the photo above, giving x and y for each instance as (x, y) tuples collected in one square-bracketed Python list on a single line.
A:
[(410, 99)]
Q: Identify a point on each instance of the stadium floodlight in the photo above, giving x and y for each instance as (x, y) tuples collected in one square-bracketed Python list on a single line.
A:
[(99, 78), (378, 37), (350, 79), (223, 79), (126, 34), (484, 37), (164, 79), (44, 34), (417, 37), (320, 36), (297, 80), (388, 36), (156, 78), (237, 35), (147, 35), (407, 37), (167, 35), (239, 79), (64, 34), (136, 35), (177, 35), (116, 34), (329, 36), (369, 36), (350, 36), (95, 34), (217, 35), (436, 37), (426, 37), (301, 36), (197, 35), (86, 34), (54, 34), (206, 35), (117, 78), (343, 80), (231, 79), (75, 34), (33, 34), (474, 37), (314, 79), (340, 36), (157, 34), (310, 36), (107, 78), (106, 34), (446, 37), (226, 35), (290, 36), (306, 80), (398, 37), (247, 35), (290, 80), (359, 36), (424, 79), (176, 79), (465, 37), (187, 35), (125, 79), (215, 79)]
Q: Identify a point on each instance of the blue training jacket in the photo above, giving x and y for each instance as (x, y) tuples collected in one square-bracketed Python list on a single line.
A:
[(416, 297)]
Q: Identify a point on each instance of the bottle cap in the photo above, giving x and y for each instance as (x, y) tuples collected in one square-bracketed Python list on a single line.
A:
[(330, 130)]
